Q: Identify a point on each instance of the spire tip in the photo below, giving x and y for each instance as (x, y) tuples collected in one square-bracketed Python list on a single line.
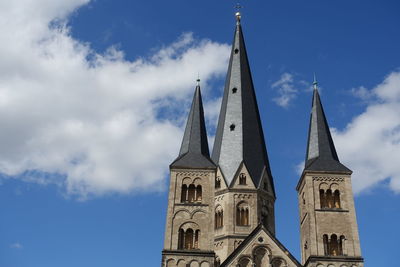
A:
[(315, 83), (237, 14)]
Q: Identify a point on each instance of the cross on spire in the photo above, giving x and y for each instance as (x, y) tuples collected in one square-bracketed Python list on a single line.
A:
[(238, 7)]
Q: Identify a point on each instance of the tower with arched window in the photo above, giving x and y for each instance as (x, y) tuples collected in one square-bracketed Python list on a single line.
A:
[(329, 232), (189, 233), (221, 209)]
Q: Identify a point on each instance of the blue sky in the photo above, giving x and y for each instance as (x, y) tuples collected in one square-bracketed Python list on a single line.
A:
[(94, 96)]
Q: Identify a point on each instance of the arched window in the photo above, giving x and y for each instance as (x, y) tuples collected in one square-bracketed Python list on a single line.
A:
[(322, 198), (342, 242), (196, 239), (189, 236), (242, 179), (326, 245), (260, 256), (199, 193), (189, 239), (334, 245), (217, 183), (219, 217), (184, 193), (329, 198), (181, 239), (191, 193), (336, 199), (242, 214)]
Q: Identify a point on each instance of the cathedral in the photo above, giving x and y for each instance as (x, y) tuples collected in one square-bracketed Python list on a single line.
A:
[(221, 207)]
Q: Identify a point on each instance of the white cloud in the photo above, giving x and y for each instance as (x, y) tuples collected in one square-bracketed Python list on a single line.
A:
[(286, 90), (370, 144), (16, 245), (96, 123), (362, 92)]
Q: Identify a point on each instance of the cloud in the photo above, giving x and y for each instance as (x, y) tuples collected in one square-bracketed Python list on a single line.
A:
[(288, 88), (16, 245), (94, 123), (363, 93), (370, 143)]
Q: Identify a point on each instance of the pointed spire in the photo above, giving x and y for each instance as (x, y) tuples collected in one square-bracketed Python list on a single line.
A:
[(239, 137), (321, 152), (194, 151)]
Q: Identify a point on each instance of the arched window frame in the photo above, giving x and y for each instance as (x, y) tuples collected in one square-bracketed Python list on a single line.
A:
[(322, 198), (242, 179), (219, 217), (217, 183), (189, 236), (242, 214), (336, 199), (199, 193), (184, 192), (329, 199), (334, 245)]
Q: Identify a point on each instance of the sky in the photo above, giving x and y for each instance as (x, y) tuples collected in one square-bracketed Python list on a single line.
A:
[(94, 96)]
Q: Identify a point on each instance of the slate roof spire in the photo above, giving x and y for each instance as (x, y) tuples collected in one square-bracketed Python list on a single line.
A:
[(194, 151), (239, 137), (321, 152)]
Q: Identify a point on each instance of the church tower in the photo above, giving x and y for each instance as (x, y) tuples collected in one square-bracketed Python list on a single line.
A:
[(329, 232), (244, 189), (189, 233)]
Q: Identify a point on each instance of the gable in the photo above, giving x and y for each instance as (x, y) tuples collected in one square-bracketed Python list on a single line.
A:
[(242, 173), (262, 249)]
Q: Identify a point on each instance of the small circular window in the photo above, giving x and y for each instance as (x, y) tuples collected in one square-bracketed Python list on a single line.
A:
[(236, 51)]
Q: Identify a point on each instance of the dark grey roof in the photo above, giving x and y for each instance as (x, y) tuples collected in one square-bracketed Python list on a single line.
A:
[(245, 143), (321, 153), (194, 151)]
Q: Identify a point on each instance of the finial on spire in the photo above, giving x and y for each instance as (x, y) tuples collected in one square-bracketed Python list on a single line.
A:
[(198, 79), (315, 83), (238, 15)]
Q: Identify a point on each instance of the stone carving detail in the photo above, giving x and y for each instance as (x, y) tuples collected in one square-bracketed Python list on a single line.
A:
[(219, 198), (218, 244), (193, 173), (328, 178), (243, 196)]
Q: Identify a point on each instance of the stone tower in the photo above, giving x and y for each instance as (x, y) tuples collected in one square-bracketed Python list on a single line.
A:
[(244, 189), (189, 233), (329, 232)]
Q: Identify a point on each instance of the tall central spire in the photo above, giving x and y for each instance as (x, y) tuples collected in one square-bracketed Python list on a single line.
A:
[(239, 138)]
